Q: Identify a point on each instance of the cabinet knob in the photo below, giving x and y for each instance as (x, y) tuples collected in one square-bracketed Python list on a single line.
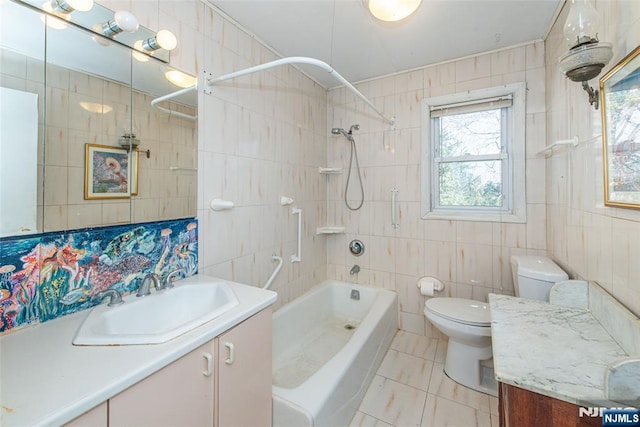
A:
[(232, 353)]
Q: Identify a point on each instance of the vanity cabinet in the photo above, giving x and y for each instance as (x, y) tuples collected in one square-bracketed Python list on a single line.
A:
[(97, 417), (180, 394), (225, 382), (523, 408)]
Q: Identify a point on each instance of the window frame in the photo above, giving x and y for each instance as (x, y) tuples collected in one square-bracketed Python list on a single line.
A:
[(513, 185)]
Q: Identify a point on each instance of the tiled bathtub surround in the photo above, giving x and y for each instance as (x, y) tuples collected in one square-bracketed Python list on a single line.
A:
[(47, 276), (471, 258)]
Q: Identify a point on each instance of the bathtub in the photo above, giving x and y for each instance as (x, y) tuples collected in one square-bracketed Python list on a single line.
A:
[(327, 347)]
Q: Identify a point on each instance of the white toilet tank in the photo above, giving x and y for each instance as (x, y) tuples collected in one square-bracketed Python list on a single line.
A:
[(533, 276)]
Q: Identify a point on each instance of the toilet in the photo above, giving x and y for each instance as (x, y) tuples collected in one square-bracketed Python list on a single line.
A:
[(467, 322)]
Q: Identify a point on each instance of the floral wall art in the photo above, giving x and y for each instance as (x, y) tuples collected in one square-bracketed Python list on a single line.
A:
[(54, 274)]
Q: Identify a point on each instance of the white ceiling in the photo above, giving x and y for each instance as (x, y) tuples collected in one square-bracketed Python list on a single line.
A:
[(343, 34)]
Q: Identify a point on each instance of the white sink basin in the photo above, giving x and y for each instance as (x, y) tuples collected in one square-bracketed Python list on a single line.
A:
[(158, 317)]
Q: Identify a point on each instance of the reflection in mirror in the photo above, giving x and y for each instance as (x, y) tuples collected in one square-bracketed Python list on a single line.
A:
[(95, 94), (620, 101), (82, 107), (21, 120)]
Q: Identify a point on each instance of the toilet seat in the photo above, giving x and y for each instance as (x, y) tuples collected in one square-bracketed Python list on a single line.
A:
[(461, 310)]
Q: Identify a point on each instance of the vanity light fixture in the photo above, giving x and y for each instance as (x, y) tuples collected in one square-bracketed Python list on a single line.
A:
[(57, 22), (163, 39), (122, 20), (392, 10), (587, 55), (68, 6), (138, 53)]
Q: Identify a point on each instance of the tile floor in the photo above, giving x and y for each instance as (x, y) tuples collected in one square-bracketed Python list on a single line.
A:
[(411, 389)]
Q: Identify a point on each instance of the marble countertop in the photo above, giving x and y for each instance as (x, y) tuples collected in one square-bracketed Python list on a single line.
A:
[(553, 350), (45, 380)]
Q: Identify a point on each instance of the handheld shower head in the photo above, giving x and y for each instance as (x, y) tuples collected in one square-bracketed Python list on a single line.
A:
[(338, 131)]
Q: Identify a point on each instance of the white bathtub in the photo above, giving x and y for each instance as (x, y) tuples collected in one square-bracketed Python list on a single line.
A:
[(326, 350)]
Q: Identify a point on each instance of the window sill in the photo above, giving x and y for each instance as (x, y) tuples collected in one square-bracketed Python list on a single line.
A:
[(476, 216)]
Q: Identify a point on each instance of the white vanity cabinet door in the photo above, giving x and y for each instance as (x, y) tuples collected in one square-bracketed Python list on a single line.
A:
[(97, 417), (244, 373), (180, 394)]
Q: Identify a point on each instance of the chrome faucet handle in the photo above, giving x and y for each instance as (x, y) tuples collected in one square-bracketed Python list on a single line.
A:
[(144, 288), (168, 283), (115, 298)]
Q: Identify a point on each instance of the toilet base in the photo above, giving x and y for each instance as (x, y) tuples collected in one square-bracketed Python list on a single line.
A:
[(471, 366)]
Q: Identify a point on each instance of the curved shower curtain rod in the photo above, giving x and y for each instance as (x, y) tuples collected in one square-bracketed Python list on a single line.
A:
[(156, 101), (211, 81)]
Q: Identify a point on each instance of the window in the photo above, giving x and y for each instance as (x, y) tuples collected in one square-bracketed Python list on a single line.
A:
[(473, 155)]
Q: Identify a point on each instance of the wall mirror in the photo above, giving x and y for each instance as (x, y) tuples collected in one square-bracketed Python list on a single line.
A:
[(64, 89), (620, 101)]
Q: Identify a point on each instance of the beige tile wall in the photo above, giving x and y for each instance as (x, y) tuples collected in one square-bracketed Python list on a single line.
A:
[(162, 194), (259, 137), (172, 141), (590, 240), (471, 258)]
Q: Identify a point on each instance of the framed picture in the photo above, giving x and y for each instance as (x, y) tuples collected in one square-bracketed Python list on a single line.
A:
[(108, 172), (620, 108), (134, 172)]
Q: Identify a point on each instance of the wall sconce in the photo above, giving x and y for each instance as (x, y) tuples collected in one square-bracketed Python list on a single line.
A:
[(163, 39), (587, 55), (122, 21), (392, 10), (68, 6)]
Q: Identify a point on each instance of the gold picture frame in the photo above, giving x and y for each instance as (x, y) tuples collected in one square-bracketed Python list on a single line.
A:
[(620, 112), (107, 174)]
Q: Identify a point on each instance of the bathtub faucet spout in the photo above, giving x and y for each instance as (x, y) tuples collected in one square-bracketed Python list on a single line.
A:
[(354, 270)]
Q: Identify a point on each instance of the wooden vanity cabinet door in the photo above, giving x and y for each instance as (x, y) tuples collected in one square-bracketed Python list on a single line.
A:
[(96, 417), (524, 408), (244, 373), (177, 395)]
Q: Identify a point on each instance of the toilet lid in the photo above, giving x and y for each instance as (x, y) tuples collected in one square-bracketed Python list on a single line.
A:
[(462, 310)]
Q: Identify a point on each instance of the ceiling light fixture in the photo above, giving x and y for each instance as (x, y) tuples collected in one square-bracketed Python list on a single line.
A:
[(68, 6), (392, 10), (94, 107), (180, 79), (122, 20), (587, 55), (163, 39)]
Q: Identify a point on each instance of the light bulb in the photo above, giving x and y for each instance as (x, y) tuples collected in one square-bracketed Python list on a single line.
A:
[(137, 52), (163, 39), (166, 39), (392, 10), (68, 6), (57, 22), (122, 21), (581, 25)]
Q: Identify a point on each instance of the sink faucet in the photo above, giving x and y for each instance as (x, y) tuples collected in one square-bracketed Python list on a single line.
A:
[(115, 298), (354, 270), (150, 278), (167, 282)]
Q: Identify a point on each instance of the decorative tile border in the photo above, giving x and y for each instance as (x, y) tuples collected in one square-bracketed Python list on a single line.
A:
[(50, 275)]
